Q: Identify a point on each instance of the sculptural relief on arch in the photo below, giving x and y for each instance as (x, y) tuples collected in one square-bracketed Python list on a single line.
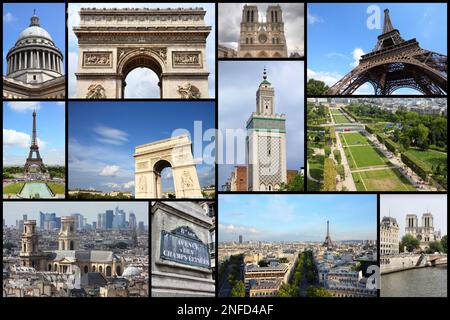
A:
[(152, 158), (170, 42)]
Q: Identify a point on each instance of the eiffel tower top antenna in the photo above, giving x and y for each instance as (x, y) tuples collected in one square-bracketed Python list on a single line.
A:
[(387, 22)]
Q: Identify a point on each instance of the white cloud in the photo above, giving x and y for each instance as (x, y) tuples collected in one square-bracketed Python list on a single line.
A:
[(356, 54), (142, 82), (111, 135), (128, 185), (9, 17), (238, 229), (109, 171), (16, 138), (111, 185), (312, 19), (330, 78), (22, 106)]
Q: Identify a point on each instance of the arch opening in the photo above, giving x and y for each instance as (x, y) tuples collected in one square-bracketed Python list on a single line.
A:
[(163, 172), (132, 71)]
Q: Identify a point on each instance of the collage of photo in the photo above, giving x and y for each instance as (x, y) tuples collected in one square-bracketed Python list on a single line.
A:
[(224, 150)]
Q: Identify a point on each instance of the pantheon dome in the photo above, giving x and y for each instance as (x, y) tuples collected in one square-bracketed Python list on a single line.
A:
[(34, 65)]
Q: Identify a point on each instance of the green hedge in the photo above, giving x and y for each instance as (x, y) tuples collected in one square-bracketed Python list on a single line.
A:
[(416, 165), (380, 137), (337, 156), (370, 129), (391, 145)]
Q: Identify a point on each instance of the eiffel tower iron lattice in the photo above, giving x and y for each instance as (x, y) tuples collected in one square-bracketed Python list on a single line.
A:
[(396, 63), (34, 149)]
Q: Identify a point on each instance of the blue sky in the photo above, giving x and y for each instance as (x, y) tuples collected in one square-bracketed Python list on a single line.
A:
[(338, 34), (18, 126), (141, 81), (238, 83), (399, 205), (15, 210), (297, 217), (16, 18), (103, 137)]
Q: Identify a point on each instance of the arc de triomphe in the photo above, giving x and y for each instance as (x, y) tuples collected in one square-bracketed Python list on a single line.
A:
[(113, 42), (152, 158)]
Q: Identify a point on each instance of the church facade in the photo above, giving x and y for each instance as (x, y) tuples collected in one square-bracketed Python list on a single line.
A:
[(424, 232), (34, 66), (262, 38), (266, 142), (68, 258)]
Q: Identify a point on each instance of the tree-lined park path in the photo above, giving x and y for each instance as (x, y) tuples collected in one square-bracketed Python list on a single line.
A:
[(347, 181)]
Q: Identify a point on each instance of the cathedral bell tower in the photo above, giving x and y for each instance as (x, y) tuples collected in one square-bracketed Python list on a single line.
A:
[(266, 142), (29, 253), (68, 239)]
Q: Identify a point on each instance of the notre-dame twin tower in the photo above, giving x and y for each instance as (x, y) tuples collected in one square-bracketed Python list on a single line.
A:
[(262, 38)]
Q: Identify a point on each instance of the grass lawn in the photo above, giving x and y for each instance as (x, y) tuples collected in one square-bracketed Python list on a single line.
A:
[(13, 188), (316, 166), (340, 119), (352, 138), (381, 180), (57, 188), (429, 157), (365, 156)]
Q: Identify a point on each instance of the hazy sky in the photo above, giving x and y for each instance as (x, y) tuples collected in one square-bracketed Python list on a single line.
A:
[(297, 217), (230, 16), (13, 211), (399, 205)]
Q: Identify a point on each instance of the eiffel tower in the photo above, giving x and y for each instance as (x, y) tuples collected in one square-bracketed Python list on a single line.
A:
[(396, 63), (34, 149), (327, 243)]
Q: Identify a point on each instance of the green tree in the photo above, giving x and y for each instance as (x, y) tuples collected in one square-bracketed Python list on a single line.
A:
[(444, 243), (297, 183), (316, 87), (410, 242), (435, 246), (288, 290), (421, 135), (312, 291), (238, 289), (329, 175)]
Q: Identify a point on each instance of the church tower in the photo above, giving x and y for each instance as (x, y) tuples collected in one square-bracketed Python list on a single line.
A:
[(29, 253), (266, 142), (262, 37), (68, 239)]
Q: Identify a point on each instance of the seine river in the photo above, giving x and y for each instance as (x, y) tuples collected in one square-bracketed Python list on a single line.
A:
[(424, 282)]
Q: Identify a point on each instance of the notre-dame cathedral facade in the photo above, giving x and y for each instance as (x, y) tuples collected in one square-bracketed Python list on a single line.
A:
[(262, 38)]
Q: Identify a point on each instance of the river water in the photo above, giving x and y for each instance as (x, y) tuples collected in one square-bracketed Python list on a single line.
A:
[(424, 282)]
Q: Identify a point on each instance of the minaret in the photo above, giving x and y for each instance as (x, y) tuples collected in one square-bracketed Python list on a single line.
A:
[(266, 142), (34, 149), (29, 253), (68, 239)]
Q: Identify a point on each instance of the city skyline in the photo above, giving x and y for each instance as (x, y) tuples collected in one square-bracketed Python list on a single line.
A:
[(297, 217), (399, 205), (13, 211)]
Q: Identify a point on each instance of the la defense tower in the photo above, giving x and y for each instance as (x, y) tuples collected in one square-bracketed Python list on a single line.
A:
[(266, 142)]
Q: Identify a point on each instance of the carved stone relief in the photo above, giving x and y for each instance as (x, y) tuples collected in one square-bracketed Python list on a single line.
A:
[(189, 91), (160, 52), (186, 59), (97, 59), (142, 184), (96, 91), (186, 180)]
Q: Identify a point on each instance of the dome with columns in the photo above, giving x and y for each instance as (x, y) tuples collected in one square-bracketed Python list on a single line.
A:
[(34, 58)]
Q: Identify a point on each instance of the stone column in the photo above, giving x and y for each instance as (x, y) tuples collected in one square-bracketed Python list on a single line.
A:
[(54, 62), (31, 59), (20, 60), (58, 65), (26, 59)]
